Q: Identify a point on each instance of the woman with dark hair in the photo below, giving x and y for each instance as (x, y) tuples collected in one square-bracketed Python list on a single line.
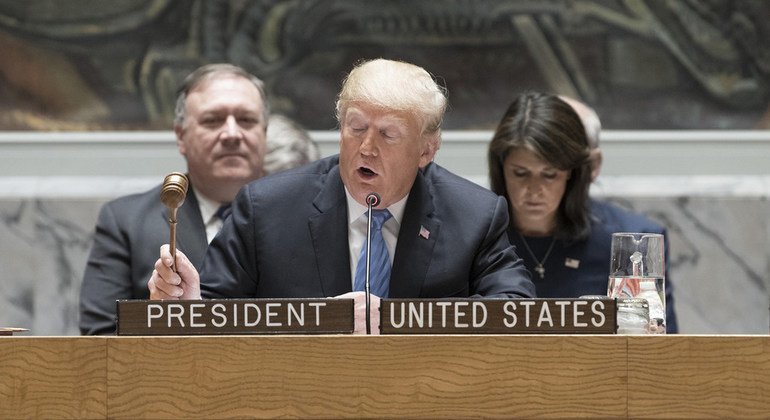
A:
[(539, 160)]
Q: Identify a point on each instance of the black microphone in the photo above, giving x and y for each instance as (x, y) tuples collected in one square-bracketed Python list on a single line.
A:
[(372, 200)]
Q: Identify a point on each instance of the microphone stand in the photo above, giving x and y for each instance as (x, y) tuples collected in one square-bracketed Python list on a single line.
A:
[(371, 200), (368, 257)]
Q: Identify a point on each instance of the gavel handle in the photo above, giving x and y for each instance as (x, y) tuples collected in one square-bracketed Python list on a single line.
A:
[(172, 238)]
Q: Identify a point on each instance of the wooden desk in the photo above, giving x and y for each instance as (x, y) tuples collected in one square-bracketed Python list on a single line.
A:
[(394, 376)]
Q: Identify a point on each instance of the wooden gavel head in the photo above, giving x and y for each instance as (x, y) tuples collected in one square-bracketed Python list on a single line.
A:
[(174, 190)]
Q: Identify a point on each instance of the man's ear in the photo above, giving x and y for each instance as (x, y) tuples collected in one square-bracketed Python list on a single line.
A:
[(179, 132), (429, 151)]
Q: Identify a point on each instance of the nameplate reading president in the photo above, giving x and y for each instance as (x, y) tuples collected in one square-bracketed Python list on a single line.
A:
[(235, 316)]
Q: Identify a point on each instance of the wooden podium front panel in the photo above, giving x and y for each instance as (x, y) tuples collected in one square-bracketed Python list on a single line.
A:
[(356, 376), (53, 378), (699, 376), (386, 376)]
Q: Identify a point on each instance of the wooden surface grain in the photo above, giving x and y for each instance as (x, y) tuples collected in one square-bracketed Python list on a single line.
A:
[(423, 376), (53, 378), (699, 377), (518, 376)]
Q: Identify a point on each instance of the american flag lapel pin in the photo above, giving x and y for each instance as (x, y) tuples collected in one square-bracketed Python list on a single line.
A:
[(424, 232)]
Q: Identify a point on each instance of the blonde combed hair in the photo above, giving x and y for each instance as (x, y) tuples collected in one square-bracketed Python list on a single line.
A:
[(397, 86)]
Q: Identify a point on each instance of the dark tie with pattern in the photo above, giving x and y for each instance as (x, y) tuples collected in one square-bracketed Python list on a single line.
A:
[(223, 211), (379, 278)]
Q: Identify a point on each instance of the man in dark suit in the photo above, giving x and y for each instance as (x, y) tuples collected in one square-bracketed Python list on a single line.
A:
[(301, 233), (220, 126)]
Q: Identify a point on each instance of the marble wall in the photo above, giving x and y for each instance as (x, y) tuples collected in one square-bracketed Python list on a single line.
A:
[(718, 238), (44, 246), (718, 260)]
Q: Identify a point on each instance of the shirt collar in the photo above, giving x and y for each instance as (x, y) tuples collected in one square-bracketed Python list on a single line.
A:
[(207, 206), (356, 209)]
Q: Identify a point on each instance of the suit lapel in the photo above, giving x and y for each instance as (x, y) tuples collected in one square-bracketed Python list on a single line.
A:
[(329, 233), (190, 229), (416, 239)]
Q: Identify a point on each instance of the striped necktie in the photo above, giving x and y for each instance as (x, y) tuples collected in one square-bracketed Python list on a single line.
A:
[(379, 278)]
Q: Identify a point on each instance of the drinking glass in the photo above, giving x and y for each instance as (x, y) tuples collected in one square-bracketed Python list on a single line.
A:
[(637, 271)]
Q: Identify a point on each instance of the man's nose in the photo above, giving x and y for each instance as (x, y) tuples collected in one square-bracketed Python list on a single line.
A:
[(369, 144), (231, 130)]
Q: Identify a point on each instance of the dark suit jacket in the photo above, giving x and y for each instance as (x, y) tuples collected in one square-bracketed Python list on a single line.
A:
[(588, 274), (129, 233), (288, 237)]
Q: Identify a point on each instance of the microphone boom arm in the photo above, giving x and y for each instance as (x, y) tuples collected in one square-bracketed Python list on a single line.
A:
[(372, 200)]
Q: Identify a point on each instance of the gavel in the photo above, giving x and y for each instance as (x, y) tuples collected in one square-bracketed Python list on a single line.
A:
[(172, 195)]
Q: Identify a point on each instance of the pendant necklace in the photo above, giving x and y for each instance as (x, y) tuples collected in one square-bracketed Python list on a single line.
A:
[(539, 267)]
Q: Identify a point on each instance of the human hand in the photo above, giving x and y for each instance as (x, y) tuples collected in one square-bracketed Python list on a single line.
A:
[(359, 312), (167, 284)]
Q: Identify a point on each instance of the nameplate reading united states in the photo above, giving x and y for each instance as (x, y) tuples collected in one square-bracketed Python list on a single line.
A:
[(235, 316), (498, 316)]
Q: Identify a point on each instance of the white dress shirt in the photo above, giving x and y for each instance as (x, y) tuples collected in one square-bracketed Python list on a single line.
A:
[(208, 210), (357, 222)]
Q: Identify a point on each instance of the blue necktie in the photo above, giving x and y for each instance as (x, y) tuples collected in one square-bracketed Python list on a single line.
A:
[(379, 278)]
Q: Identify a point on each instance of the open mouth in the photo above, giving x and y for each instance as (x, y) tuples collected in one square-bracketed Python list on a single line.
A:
[(366, 172)]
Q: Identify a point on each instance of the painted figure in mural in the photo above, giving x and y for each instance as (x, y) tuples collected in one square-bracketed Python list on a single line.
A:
[(644, 63), (310, 222), (541, 160)]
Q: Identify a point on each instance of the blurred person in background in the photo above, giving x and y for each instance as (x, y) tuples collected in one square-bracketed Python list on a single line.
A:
[(288, 145)]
